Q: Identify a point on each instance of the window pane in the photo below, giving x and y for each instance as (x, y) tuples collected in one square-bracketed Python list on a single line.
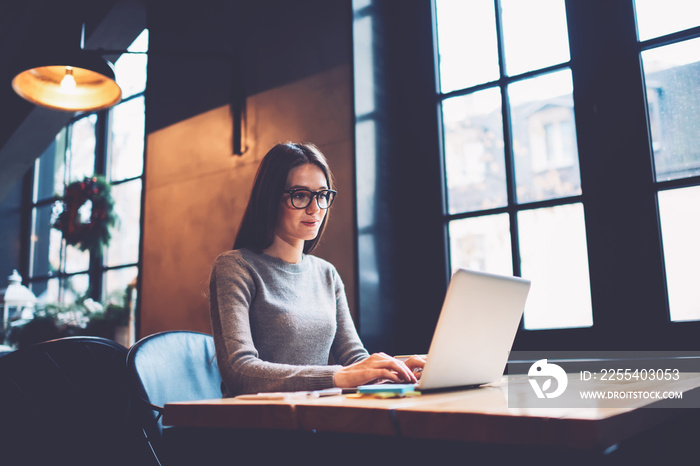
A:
[(119, 283), (65, 290), (535, 34), (120, 291), (74, 287), (366, 191), (127, 139), (50, 170), (46, 291), (481, 243), (124, 244), (39, 288), (76, 260), (554, 257), (672, 74), (544, 137), (467, 45), (680, 228), (82, 148), (657, 18), (130, 69), (364, 66), (45, 242), (474, 156)]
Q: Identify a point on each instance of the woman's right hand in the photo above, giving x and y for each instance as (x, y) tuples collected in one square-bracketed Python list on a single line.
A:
[(376, 367)]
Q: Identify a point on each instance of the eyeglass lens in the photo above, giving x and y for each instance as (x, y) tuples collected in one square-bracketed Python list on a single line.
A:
[(301, 199)]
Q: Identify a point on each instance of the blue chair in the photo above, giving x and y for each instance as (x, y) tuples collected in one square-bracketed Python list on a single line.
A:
[(66, 401), (167, 367)]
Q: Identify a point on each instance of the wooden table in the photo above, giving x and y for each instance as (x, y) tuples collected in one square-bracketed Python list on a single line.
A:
[(476, 416)]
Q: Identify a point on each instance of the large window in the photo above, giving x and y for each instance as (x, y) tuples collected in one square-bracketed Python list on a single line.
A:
[(108, 143), (670, 54), (510, 152), (569, 158)]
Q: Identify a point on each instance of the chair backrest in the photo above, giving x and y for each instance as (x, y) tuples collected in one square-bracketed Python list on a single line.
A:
[(174, 366), (66, 401)]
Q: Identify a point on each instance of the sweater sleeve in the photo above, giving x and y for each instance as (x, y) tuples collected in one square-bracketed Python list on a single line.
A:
[(231, 292), (347, 347)]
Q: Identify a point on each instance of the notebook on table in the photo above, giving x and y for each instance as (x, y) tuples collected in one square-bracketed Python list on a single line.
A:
[(475, 331)]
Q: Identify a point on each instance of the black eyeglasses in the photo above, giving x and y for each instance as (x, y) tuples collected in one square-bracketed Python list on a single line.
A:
[(301, 197)]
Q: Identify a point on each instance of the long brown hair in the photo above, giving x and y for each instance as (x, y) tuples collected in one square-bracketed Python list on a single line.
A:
[(257, 229)]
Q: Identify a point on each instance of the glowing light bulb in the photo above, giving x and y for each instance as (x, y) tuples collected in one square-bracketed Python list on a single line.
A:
[(68, 81)]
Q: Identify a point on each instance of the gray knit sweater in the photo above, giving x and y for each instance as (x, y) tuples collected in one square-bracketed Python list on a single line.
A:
[(276, 324)]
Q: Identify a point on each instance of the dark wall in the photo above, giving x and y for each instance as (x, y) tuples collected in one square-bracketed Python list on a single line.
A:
[(208, 53)]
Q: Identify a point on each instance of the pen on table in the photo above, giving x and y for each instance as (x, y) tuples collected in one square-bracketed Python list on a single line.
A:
[(290, 395)]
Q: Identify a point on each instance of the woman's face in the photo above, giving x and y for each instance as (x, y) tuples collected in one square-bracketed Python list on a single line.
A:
[(295, 226)]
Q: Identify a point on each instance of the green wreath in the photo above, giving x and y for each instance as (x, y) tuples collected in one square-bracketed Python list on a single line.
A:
[(93, 234)]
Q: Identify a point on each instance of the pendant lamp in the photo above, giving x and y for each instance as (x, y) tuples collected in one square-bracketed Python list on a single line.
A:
[(82, 82)]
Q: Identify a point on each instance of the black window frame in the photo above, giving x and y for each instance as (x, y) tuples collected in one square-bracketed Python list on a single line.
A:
[(619, 193)]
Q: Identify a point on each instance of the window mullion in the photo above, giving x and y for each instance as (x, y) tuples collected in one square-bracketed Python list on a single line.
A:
[(508, 144), (510, 181), (96, 256), (101, 143), (26, 223)]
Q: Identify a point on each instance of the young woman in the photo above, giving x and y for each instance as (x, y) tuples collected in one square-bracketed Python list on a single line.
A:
[(280, 317)]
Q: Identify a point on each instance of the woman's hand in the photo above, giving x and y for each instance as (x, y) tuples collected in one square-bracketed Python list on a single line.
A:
[(377, 366), (416, 364)]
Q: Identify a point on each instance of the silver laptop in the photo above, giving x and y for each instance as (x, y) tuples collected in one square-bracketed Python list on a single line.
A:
[(475, 331)]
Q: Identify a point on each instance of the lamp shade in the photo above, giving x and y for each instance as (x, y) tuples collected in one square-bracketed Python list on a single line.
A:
[(84, 82)]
